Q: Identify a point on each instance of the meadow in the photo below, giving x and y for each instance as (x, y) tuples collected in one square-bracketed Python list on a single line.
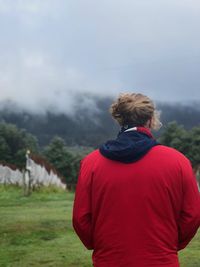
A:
[(37, 231)]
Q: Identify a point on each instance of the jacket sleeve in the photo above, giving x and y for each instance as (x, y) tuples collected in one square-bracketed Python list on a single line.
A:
[(189, 221), (82, 215)]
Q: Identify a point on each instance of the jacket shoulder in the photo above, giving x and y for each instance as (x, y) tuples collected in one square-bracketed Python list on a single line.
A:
[(171, 153), (94, 155)]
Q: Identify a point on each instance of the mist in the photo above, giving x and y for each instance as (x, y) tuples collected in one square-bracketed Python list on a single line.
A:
[(53, 52)]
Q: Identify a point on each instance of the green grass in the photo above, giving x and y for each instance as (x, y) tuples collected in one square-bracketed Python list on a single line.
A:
[(37, 231), (190, 256)]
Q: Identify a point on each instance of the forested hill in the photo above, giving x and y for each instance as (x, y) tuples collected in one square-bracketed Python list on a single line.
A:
[(90, 126)]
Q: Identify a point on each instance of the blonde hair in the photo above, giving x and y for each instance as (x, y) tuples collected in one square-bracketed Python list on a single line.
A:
[(136, 110)]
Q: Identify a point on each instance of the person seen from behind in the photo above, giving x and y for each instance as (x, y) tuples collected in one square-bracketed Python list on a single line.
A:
[(137, 202)]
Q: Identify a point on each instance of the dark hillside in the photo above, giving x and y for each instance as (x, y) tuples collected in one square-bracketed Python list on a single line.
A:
[(89, 127)]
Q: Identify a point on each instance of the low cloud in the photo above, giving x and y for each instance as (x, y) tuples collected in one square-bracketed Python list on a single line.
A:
[(54, 50)]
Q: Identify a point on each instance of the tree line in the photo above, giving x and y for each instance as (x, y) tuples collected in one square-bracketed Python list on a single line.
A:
[(92, 120), (14, 143), (186, 141)]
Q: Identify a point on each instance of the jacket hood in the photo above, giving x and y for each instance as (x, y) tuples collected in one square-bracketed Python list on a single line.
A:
[(130, 145)]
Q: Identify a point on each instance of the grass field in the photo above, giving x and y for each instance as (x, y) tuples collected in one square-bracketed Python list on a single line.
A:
[(37, 231)]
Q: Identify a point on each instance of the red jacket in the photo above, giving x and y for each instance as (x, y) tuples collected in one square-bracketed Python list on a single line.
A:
[(138, 214)]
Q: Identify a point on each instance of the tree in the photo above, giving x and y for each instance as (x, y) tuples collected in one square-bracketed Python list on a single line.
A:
[(5, 153), (13, 144), (194, 151), (187, 142), (177, 137), (57, 154)]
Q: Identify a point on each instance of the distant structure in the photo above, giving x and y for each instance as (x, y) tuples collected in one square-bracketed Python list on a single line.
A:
[(9, 174), (38, 172), (197, 174)]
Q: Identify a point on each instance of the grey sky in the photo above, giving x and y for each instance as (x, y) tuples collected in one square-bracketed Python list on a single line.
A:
[(51, 49)]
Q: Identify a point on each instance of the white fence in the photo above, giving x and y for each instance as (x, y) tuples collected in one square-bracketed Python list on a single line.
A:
[(35, 175)]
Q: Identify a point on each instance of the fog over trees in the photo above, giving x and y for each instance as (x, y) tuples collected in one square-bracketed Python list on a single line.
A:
[(64, 139), (90, 124)]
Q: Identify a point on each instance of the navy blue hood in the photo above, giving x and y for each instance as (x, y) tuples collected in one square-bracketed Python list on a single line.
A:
[(129, 146)]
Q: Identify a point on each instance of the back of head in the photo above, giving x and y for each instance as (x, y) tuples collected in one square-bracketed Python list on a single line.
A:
[(132, 109)]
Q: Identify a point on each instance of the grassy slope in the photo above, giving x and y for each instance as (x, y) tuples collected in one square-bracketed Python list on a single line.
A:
[(37, 231)]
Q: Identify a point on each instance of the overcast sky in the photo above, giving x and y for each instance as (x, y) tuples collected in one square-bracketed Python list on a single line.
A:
[(51, 49)]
